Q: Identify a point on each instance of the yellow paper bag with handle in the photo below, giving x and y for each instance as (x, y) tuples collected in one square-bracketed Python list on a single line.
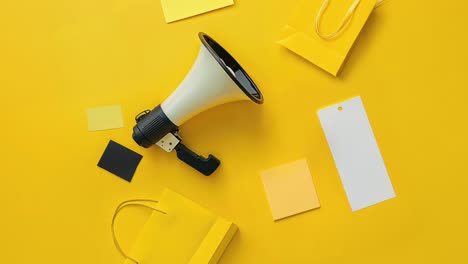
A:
[(178, 232), (323, 31)]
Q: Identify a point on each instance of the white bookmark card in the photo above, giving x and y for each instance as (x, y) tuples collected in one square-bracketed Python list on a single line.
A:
[(356, 154)]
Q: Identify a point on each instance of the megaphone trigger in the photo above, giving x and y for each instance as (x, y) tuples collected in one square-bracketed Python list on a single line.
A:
[(169, 142)]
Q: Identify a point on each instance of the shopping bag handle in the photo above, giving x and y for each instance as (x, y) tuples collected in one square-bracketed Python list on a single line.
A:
[(344, 24), (129, 203)]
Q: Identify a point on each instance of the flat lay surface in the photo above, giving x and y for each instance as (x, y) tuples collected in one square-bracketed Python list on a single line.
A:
[(60, 58)]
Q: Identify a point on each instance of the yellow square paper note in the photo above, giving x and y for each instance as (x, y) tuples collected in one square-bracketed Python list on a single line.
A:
[(106, 117), (300, 36), (179, 9), (290, 189)]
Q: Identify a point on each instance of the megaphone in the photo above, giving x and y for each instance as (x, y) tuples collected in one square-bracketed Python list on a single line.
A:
[(215, 78)]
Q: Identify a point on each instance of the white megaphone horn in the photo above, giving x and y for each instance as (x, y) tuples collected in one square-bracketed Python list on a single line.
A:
[(215, 78)]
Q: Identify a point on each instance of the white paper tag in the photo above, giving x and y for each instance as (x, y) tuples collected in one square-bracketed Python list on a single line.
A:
[(356, 154)]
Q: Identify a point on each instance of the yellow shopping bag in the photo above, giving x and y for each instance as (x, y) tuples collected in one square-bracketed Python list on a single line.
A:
[(177, 232), (323, 31)]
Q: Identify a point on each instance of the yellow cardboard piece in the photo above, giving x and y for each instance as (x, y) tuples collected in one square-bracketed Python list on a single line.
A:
[(102, 118), (188, 233), (300, 37), (179, 9), (290, 189)]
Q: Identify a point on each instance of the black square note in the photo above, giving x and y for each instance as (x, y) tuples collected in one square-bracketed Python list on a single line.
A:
[(120, 160)]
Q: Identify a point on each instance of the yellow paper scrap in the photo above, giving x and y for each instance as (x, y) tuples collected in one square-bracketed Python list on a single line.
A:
[(102, 118), (290, 189), (179, 9)]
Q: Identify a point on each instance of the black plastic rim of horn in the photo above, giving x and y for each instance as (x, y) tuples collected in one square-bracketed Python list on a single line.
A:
[(225, 60)]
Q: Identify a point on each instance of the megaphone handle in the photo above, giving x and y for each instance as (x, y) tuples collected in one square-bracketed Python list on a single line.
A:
[(204, 165)]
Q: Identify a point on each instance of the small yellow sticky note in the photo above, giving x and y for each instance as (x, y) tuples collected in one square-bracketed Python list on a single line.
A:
[(179, 9), (290, 189), (102, 118)]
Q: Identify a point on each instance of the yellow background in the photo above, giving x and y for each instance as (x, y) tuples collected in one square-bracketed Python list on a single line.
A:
[(59, 57)]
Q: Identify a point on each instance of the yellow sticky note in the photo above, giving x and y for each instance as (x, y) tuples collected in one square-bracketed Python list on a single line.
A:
[(290, 189), (300, 36), (179, 9), (102, 118)]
